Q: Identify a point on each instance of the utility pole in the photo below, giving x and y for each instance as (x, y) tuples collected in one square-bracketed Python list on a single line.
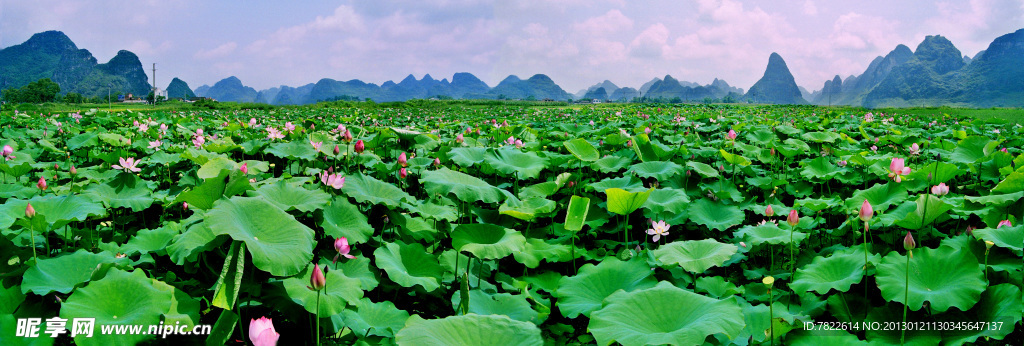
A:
[(154, 84)]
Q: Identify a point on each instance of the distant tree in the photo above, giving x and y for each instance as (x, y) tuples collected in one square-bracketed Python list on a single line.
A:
[(40, 91), (73, 98)]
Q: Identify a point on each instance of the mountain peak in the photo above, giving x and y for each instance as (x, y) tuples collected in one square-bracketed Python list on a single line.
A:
[(940, 53), (777, 85), (51, 41)]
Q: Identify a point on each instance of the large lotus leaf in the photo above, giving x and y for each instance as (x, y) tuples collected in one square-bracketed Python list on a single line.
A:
[(86, 139), (367, 189), (186, 246), (628, 183), (576, 214), (212, 168), (941, 172), (585, 292), (643, 148), (467, 157), (715, 215), (998, 201), (837, 272), (10, 299), (63, 273), (487, 241), (703, 169), (130, 193), (927, 203), (881, 197), (226, 184), (409, 265), (293, 150), (734, 159), (769, 233), (1013, 183), (623, 202), (664, 314), (819, 168), (471, 329), (289, 197), (1000, 305), (696, 256), (58, 210), (670, 201), (1005, 237), (610, 164), (717, 287), (945, 277), (515, 307), (342, 219), (536, 250), (465, 187), (970, 150), (527, 209), (820, 136), (516, 163), (277, 242), (582, 149), (661, 170), (339, 291), (431, 210), (544, 189), (380, 319), (120, 298)]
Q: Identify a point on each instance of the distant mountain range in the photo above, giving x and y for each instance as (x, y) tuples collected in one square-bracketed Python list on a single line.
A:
[(936, 73)]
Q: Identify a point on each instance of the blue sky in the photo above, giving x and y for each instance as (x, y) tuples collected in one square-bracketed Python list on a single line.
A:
[(576, 42)]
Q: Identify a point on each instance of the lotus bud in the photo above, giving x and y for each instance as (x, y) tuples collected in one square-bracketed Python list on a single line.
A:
[(244, 168), (29, 211), (360, 146), (184, 205), (74, 170), (56, 166), (337, 150), (793, 218), (403, 173), (459, 139), (437, 162), (769, 212), (988, 245), (347, 137), (317, 281), (909, 244), (866, 212), (1004, 223), (42, 183), (402, 160)]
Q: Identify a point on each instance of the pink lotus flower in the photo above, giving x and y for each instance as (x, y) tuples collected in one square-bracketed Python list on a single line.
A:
[(647, 130), (332, 179), (1004, 223), (658, 230), (914, 149), (73, 170), (793, 218), (244, 168), (273, 133), (128, 165), (519, 143), (41, 184), (288, 126), (155, 145), (8, 153), (732, 134), (347, 137), (591, 123), (511, 140), (184, 205), (437, 162), (317, 281), (262, 333), (842, 163), (163, 128), (402, 160), (29, 211), (402, 173), (769, 212), (252, 122), (897, 170), (316, 145), (866, 212), (874, 148), (198, 141), (360, 146), (337, 149), (940, 190), (459, 139), (341, 245)]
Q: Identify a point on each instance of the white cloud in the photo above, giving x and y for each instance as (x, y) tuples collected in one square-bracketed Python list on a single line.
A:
[(810, 9), (609, 23), (650, 43), (219, 52)]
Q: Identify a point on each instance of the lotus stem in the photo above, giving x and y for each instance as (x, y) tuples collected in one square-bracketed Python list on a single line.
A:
[(316, 317), (865, 259), (906, 299), (32, 233), (771, 316)]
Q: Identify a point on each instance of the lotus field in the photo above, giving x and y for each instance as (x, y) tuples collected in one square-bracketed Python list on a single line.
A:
[(455, 225)]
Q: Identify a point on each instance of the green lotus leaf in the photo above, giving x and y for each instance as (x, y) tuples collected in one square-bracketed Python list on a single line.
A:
[(487, 241), (881, 197), (86, 139), (941, 172), (515, 307), (715, 215), (380, 319), (511, 162), (998, 201), (769, 233), (1005, 237), (471, 329), (585, 292), (945, 277), (226, 184), (131, 193), (58, 210), (290, 197), (734, 159), (119, 298), (292, 150), (536, 250), (820, 137), (667, 201), (576, 214), (1000, 305), (643, 148), (277, 242), (703, 169), (340, 291), (936, 208), (229, 282), (664, 314), (582, 149), (837, 272), (409, 265), (661, 170), (623, 202), (63, 273), (367, 189), (467, 157), (628, 183), (970, 150), (151, 240), (1013, 182), (342, 219), (10, 299), (527, 209), (717, 287), (696, 256), (197, 238), (465, 187), (610, 164), (819, 168), (212, 168)]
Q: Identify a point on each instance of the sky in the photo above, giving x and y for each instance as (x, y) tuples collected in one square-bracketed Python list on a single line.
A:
[(577, 43)]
